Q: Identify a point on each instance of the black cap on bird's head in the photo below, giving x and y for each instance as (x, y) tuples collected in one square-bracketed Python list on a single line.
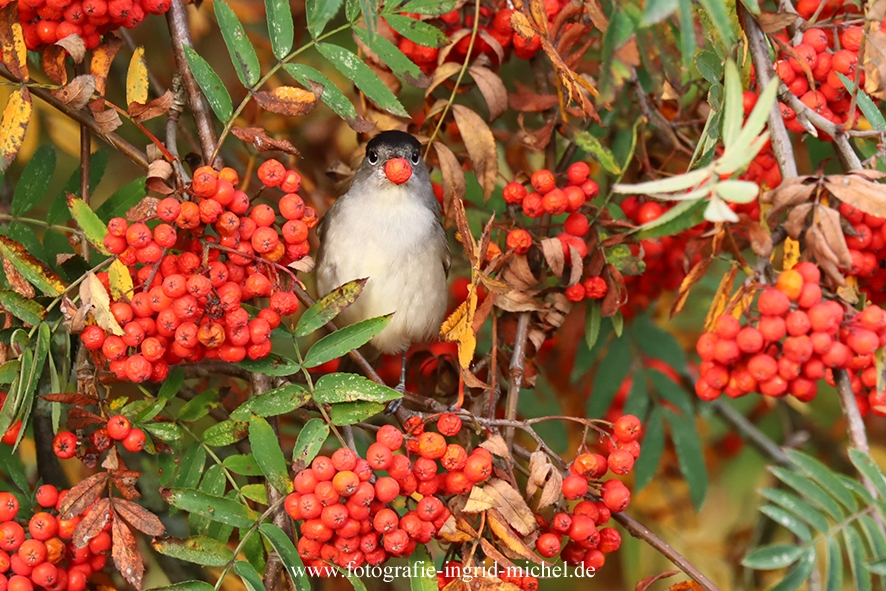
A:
[(397, 152)]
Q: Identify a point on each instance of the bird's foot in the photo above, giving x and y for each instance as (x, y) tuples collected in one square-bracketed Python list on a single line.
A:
[(393, 406)]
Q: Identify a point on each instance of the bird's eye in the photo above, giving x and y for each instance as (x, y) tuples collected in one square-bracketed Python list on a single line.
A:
[(373, 157), (415, 157)]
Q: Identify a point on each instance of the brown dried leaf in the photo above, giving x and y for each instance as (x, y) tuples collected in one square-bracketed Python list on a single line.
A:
[(827, 259), (453, 178), (258, 139), (511, 540), (761, 241), (796, 221), (81, 419), (574, 270), (450, 532), (616, 294), (18, 283), (479, 501), (53, 63), (139, 517), (859, 192), (124, 550), (497, 446), (442, 73), (695, 274), (75, 398), (552, 248), (108, 120), (102, 56), (511, 505), (770, 22), (305, 264), (96, 299), (287, 100), (539, 468), (83, 494), (874, 59), (518, 301), (519, 274), (492, 88), (92, 523), (77, 93), (480, 143), (550, 494), (644, 583), (828, 220), (13, 51), (159, 171), (125, 481), (491, 552), (154, 108), (721, 298), (482, 314), (74, 45), (144, 209), (529, 102)]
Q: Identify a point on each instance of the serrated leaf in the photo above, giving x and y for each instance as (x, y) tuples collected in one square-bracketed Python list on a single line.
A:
[(172, 385), (869, 469), (335, 388), (417, 31), (709, 66), (198, 549), (823, 475), (331, 95), (225, 433), (319, 13), (392, 57), (772, 557), (349, 413), (871, 112), (214, 507), (684, 215), (797, 506), (164, 431), (344, 340), (191, 467), (93, 228), (672, 392), (328, 307), (653, 446), (429, 7), (788, 521), (589, 143), (265, 446), (122, 200), (280, 27), (310, 440), (243, 464), (21, 307), (422, 573), (250, 577), (278, 401), (211, 84), (808, 489), (255, 492), (353, 68), (288, 555), (242, 52), (34, 181), (272, 365), (689, 455), (34, 271), (719, 15)]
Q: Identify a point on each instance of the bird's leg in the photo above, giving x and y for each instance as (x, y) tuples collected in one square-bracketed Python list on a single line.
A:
[(394, 405)]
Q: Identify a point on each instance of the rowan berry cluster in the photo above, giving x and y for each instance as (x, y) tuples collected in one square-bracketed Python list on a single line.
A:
[(867, 247), (118, 428), (195, 269), (45, 22), (40, 553), (797, 340), (346, 519)]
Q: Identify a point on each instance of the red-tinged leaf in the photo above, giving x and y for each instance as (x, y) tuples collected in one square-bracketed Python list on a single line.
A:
[(261, 141), (453, 178), (92, 523), (154, 108), (124, 550), (16, 281), (480, 143), (83, 495), (143, 210), (102, 56), (616, 295), (53, 63), (492, 88), (695, 274), (81, 419), (74, 398), (529, 102), (108, 120), (139, 517), (287, 100), (13, 124), (13, 51), (125, 481), (644, 583)]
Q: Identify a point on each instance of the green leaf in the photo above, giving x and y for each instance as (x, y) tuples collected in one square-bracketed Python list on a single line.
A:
[(618, 323), (250, 576), (9, 371), (611, 372), (214, 507), (422, 572), (191, 467), (122, 200), (855, 551), (255, 492), (878, 567), (164, 431), (344, 340), (34, 181), (687, 32), (589, 143), (310, 440), (856, 488), (392, 57), (266, 448), (871, 112), (58, 209), (875, 538), (637, 402), (797, 506), (347, 387), (199, 550), (772, 557), (417, 31), (149, 412), (684, 215), (328, 307), (35, 272), (288, 555), (331, 95), (272, 365), (172, 385), (689, 455), (808, 489), (280, 27), (353, 68), (719, 16), (199, 406), (186, 586), (798, 574), (788, 521), (823, 475), (592, 323), (671, 392), (211, 84), (733, 111), (225, 433), (752, 5), (834, 580), (650, 453), (657, 343), (30, 376), (741, 150), (866, 466), (278, 401), (709, 66), (21, 307), (348, 413), (429, 7), (213, 483), (243, 464), (242, 52), (319, 13), (658, 10), (93, 228)]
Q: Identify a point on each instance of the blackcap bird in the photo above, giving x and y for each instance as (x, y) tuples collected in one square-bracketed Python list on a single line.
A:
[(387, 228)]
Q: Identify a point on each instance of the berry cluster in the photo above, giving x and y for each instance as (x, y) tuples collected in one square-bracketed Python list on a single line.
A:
[(797, 340), (195, 268), (867, 247), (117, 429), (811, 71), (40, 553), (46, 21)]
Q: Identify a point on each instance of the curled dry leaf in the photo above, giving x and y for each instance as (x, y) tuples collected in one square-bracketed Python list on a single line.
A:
[(574, 270), (529, 102), (124, 550), (695, 274), (512, 506), (287, 100), (552, 248), (74, 45), (81, 419), (828, 219), (644, 583), (144, 209), (159, 171), (859, 192), (518, 273), (16, 281), (491, 552), (539, 468), (53, 63), (511, 540), (792, 191), (796, 222), (154, 108), (108, 120), (139, 517), (480, 143), (258, 139), (100, 63), (442, 73), (874, 58), (453, 178), (479, 501), (770, 22), (492, 88), (721, 298), (96, 300), (550, 493), (497, 446), (824, 255), (303, 265)]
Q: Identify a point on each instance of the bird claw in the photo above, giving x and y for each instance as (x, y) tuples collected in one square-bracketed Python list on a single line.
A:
[(393, 406)]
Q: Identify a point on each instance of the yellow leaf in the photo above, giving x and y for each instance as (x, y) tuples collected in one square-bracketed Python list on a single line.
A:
[(120, 281), (137, 78), (12, 42), (459, 327), (721, 297), (93, 295), (13, 125), (791, 253)]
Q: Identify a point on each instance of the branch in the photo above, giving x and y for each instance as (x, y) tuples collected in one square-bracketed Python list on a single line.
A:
[(84, 118), (749, 432), (518, 359), (858, 436), (177, 20)]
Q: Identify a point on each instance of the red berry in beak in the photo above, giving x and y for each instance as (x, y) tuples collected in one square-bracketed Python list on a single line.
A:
[(398, 170)]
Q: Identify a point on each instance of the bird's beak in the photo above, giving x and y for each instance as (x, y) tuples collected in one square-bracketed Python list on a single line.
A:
[(398, 170)]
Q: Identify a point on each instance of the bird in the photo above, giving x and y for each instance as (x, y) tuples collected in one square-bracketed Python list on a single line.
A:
[(386, 228)]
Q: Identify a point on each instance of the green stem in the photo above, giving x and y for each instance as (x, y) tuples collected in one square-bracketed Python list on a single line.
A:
[(310, 384), (14, 218), (216, 459), (274, 69)]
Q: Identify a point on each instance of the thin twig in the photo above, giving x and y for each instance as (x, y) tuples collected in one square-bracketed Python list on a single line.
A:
[(518, 360), (749, 432), (858, 436)]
